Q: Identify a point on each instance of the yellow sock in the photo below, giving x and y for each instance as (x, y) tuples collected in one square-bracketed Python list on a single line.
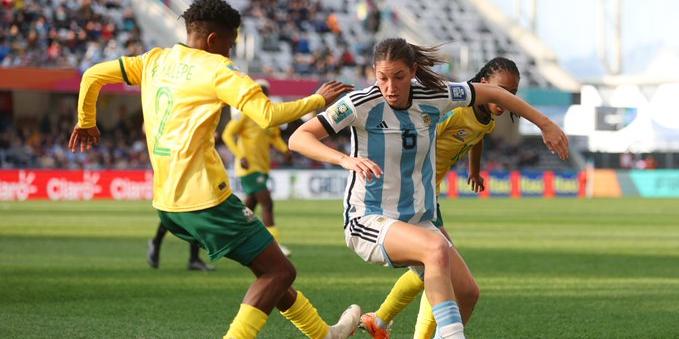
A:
[(404, 291), (426, 324), (247, 323), (275, 233), (306, 318)]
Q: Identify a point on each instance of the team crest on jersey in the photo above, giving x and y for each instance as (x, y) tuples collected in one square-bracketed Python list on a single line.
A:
[(461, 134), (458, 93), (339, 112), (248, 214), (235, 69), (426, 119)]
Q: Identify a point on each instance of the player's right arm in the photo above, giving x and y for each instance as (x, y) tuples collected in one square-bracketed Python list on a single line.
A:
[(240, 91), (475, 179), (306, 140), (126, 69), (232, 130)]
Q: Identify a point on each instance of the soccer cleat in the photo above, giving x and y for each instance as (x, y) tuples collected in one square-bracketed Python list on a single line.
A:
[(153, 255), (199, 265), (369, 324), (286, 251), (347, 324)]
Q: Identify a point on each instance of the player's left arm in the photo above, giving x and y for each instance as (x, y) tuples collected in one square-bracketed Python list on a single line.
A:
[(240, 91), (475, 179), (552, 135), (277, 141), (126, 69)]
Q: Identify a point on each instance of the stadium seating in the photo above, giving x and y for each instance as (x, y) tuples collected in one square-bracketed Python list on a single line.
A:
[(66, 33)]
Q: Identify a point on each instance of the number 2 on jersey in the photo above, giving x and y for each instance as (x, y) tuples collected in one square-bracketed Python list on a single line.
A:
[(163, 95)]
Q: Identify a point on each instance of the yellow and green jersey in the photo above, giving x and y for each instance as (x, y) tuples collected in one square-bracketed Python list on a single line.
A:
[(252, 143), (183, 91), (456, 133)]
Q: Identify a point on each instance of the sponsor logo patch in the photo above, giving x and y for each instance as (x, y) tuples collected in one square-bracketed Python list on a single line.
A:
[(458, 93), (461, 134), (339, 112)]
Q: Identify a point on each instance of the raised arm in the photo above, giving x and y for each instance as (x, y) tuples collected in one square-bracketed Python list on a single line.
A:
[(552, 135), (240, 91), (306, 140), (127, 69)]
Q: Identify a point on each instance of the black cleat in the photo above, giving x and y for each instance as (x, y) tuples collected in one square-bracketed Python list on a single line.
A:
[(153, 255), (199, 265)]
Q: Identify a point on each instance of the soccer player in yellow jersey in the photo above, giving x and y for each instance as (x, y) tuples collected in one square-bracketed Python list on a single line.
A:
[(183, 90), (253, 162), (459, 132)]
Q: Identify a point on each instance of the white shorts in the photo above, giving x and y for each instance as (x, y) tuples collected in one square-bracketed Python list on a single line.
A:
[(365, 235)]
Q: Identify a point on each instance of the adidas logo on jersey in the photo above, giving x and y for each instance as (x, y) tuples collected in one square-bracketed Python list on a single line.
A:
[(382, 124)]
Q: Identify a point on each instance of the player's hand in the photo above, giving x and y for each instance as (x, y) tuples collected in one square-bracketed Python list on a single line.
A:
[(555, 140), (365, 167), (332, 90), (476, 182), (83, 138), (244, 164)]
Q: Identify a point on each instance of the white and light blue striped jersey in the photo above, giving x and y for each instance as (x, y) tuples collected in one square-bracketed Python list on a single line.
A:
[(401, 142)]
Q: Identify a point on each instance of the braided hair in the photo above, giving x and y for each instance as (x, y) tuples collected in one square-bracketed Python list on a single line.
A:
[(498, 64)]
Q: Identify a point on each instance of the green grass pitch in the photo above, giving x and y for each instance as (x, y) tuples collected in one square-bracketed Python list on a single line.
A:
[(561, 268)]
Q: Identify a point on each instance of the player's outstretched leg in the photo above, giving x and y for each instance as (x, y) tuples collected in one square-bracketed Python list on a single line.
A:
[(153, 254), (264, 199), (405, 243), (275, 274), (425, 325), (404, 291), (195, 263), (295, 307)]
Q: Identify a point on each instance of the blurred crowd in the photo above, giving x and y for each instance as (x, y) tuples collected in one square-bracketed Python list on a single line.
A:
[(66, 33), (43, 144), (314, 36), (80, 33)]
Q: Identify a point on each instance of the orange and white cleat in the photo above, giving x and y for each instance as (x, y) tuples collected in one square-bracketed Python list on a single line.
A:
[(370, 324)]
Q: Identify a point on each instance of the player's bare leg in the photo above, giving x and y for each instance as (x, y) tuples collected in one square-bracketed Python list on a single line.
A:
[(414, 245), (295, 307), (263, 198)]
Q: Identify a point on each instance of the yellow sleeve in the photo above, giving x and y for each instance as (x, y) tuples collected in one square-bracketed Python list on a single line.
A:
[(232, 130), (277, 141), (240, 91), (127, 69)]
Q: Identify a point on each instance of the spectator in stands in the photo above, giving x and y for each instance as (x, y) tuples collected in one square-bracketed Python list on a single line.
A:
[(67, 34)]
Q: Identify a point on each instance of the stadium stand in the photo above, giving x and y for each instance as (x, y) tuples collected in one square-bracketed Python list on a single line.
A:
[(66, 33), (291, 39)]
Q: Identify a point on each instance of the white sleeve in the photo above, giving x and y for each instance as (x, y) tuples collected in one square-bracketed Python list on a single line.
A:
[(461, 94), (338, 116)]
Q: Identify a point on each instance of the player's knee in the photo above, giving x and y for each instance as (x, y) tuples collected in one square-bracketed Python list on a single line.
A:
[(471, 293), (437, 254), (286, 274)]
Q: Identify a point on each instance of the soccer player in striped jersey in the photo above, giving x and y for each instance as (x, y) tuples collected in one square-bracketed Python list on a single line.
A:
[(459, 132), (183, 90), (390, 203), (253, 163)]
